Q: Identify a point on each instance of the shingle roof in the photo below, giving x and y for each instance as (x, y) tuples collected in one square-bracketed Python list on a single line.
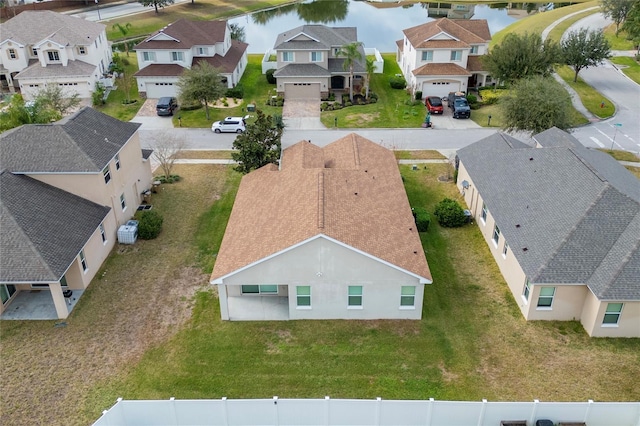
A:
[(83, 142), (466, 31), (302, 70), (160, 70), (441, 68), (53, 71), (229, 62), (568, 214), (43, 229), (474, 63), (30, 27), (327, 37), (350, 190), (186, 34)]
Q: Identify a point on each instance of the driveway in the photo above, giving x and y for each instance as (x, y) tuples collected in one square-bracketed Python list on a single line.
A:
[(149, 119), (302, 114)]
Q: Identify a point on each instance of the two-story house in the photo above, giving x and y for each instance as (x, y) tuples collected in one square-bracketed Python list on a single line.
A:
[(164, 55), (309, 65), (444, 56), (39, 48), (66, 188)]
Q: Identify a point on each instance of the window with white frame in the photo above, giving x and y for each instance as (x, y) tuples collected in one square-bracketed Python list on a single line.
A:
[(545, 299), (526, 290), (336, 51), (483, 215), (287, 56), (117, 161), (34, 51), (427, 55), (456, 55), (408, 296), (53, 55), (82, 50), (303, 296), (107, 174), (505, 248), (203, 51), (316, 56), (612, 314), (260, 289), (355, 296), (474, 50), (83, 261), (123, 203), (103, 234), (496, 235), (149, 56), (13, 54), (177, 56)]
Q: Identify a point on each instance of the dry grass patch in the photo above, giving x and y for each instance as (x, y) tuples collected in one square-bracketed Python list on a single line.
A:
[(634, 170), (358, 120), (419, 155), (197, 154)]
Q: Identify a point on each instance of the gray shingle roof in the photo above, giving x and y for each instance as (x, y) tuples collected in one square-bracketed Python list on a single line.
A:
[(51, 71), (569, 213), (302, 70), (83, 142), (327, 37), (43, 229), (30, 27)]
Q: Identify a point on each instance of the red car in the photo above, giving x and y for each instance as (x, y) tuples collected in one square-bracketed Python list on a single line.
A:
[(434, 105)]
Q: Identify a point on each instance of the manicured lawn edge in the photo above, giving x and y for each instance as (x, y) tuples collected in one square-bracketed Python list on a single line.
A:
[(590, 97)]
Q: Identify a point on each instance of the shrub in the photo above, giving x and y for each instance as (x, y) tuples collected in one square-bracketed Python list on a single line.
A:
[(422, 218), (491, 96), (348, 104), (398, 82), (323, 106), (235, 92), (150, 224), (419, 95), (332, 96), (373, 95), (97, 97), (373, 100), (170, 179), (270, 78), (280, 102), (472, 99), (337, 105), (449, 213)]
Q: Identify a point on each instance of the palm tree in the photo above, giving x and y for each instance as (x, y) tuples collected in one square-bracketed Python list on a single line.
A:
[(124, 30), (351, 53), (370, 67)]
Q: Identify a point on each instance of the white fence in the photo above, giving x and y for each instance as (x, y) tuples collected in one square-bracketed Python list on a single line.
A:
[(353, 412)]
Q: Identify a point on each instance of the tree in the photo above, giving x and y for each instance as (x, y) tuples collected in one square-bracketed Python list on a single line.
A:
[(20, 112), (521, 56), (237, 32), (583, 49), (370, 67), (201, 84), (617, 10), (351, 53), (52, 97), (167, 151), (156, 3), (258, 145), (631, 25), (124, 30), (536, 104), (125, 79)]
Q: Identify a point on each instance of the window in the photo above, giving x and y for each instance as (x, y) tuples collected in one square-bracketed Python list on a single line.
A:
[(103, 234), (123, 203), (355, 296), (53, 56), (83, 261), (259, 289), (408, 296), (526, 291), (336, 51), (63, 281), (287, 56), (545, 300), (13, 54), (474, 50), (456, 55), (34, 51), (612, 314), (177, 56), (496, 235), (316, 56), (483, 215), (107, 174), (117, 161), (82, 50), (6, 291), (504, 250), (303, 296), (427, 55), (203, 51), (149, 56)]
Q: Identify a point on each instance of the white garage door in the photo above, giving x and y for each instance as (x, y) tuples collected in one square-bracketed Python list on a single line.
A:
[(439, 87), (159, 90), (302, 91)]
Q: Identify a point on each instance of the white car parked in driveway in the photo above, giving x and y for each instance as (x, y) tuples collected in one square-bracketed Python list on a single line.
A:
[(229, 124)]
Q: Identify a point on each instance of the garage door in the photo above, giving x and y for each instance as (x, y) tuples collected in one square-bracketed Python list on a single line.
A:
[(159, 90), (439, 87), (302, 91)]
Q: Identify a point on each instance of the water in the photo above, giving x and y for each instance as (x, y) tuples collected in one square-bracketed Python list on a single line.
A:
[(377, 27)]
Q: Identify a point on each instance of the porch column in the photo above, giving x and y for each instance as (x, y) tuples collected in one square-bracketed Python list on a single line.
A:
[(224, 306), (58, 300)]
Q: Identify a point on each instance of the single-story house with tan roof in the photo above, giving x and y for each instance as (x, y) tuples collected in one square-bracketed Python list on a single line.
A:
[(327, 234)]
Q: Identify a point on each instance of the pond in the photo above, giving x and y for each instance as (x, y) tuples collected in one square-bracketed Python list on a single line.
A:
[(379, 24)]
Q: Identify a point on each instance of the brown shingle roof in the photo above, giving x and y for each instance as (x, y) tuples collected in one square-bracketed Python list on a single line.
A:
[(350, 190), (228, 62), (188, 34), (474, 31), (474, 63), (160, 70), (441, 69)]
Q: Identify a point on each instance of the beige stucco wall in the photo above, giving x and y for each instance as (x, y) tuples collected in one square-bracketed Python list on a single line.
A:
[(568, 302), (329, 268), (593, 315)]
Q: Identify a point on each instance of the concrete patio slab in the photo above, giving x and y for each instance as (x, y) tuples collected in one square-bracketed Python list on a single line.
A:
[(37, 305), (257, 308)]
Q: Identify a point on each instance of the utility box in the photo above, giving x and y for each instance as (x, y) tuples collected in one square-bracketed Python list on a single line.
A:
[(128, 233)]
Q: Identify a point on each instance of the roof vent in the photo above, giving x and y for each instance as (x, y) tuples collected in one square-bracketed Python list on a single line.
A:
[(355, 193), (465, 184), (517, 225), (530, 158), (524, 249), (415, 252)]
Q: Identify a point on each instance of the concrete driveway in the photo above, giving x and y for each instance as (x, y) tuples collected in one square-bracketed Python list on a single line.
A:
[(302, 114), (149, 119)]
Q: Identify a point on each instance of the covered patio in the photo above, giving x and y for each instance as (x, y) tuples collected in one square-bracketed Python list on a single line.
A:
[(256, 308), (37, 305)]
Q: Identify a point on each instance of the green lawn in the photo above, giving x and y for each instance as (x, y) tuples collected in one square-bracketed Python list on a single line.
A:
[(629, 66), (558, 30), (618, 42), (591, 98), (114, 106)]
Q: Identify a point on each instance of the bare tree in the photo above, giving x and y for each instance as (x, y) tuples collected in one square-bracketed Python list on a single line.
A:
[(167, 150)]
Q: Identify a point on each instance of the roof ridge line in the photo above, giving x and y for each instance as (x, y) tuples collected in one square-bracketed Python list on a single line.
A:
[(356, 153), (618, 271), (321, 199)]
